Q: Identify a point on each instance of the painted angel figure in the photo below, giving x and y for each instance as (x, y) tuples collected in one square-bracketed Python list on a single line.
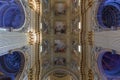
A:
[(45, 26), (46, 64), (45, 47), (75, 5), (75, 24), (74, 65), (75, 2), (75, 47), (46, 2)]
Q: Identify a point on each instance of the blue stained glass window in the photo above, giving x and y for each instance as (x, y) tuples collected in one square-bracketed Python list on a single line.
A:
[(11, 14), (11, 63), (109, 14), (109, 64)]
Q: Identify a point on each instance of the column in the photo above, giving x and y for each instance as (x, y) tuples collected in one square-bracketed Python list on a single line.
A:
[(108, 39), (12, 40)]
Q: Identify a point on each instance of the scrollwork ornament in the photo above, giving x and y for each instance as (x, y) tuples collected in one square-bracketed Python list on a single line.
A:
[(90, 37)]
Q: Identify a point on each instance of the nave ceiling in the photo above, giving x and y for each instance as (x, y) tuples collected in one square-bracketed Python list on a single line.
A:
[(59, 40)]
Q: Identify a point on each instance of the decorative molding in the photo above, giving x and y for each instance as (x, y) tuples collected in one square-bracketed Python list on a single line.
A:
[(90, 3), (34, 5), (38, 6), (90, 75), (90, 38), (32, 38), (30, 74)]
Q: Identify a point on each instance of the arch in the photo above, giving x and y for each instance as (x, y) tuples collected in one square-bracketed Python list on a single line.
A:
[(12, 63), (61, 69), (12, 14), (109, 64), (108, 14)]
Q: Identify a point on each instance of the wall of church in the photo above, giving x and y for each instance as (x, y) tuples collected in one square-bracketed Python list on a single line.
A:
[(101, 23), (16, 23)]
